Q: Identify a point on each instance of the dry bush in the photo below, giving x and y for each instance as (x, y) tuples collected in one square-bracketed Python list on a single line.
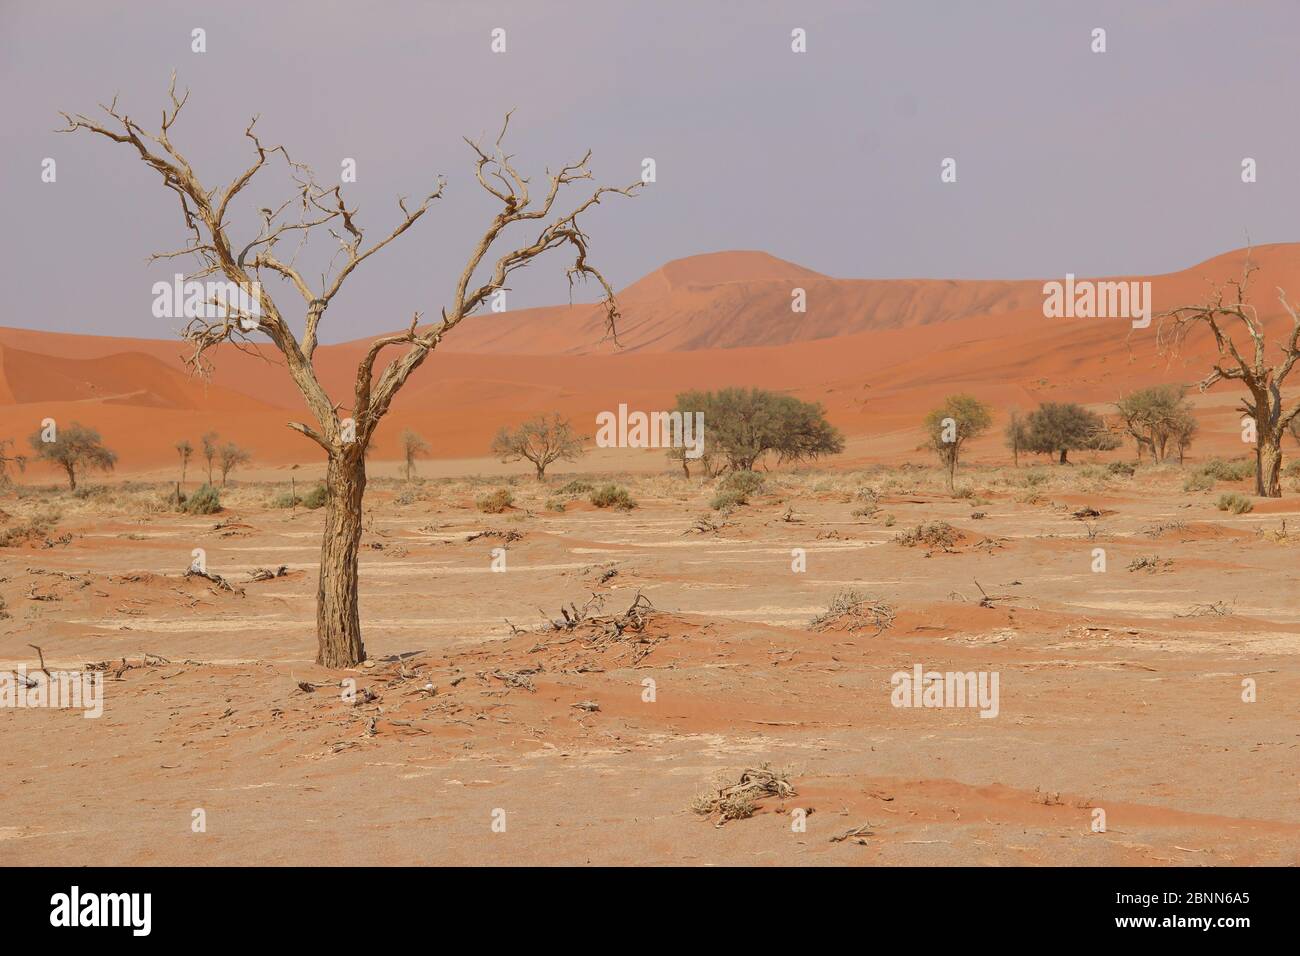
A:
[(933, 534), (739, 800), (495, 503), (851, 612)]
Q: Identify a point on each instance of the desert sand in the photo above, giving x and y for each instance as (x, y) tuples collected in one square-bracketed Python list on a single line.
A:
[(1120, 691)]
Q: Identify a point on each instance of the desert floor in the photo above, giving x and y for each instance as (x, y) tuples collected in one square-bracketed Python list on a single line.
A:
[(1120, 690)]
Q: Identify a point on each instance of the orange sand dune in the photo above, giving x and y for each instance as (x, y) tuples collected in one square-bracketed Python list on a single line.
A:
[(876, 353)]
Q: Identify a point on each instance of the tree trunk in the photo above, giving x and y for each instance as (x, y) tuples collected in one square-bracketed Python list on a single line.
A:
[(541, 471), (1268, 464), (72, 477), (338, 617), (1064, 460)]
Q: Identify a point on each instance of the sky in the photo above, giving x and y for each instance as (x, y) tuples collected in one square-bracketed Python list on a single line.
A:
[(1067, 160)]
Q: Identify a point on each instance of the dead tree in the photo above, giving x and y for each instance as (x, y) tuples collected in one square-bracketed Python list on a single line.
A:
[(1228, 312), (343, 437)]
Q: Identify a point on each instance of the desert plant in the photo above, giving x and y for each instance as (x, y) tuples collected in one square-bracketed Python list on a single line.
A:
[(318, 497), (286, 500), (576, 487), (208, 441), (744, 425), (1227, 312), (232, 456), (743, 482), (1237, 504), (948, 427), (73, 448), (205, 501), (321, 208), (726, 500), (186, 451), (495, 502), (1057, 428), (1235, 469), (412, 445), (612, 496), (540, 440), (1157, 418), (934, 534), (1016, 436), (1198, 481), (7, 459)]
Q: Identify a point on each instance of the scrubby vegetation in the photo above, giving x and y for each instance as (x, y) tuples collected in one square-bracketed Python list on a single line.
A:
[(495, 502), (612, 496), (205, 501), (1237, 504)]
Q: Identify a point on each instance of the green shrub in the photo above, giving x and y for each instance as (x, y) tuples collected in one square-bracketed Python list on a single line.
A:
[(576, 487), (1235, 470), (1032, 479), (286, 499), (1125, 468), (745, 482), (1198, 482), (725, 500), (612, 496), (316, 497), (205, 501), (496, 502), (1237, 504), (555, 504)]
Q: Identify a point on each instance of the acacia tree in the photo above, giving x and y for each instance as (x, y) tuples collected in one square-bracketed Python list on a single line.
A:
[(74, 448), (232, 456), (412, 444), (209, 441), (185, 450), (1157, 417), (743, 425), (1062, 427), (541, 440), (345, 437), (949, 427), (1016, 436), (1225, 313)]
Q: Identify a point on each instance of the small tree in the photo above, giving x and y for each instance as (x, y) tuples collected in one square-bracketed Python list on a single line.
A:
[(185, 450), (950, 426), (1159, 419), (210, 451), (744, 425), (6, 459), (1226, 313), (705, 460), (232, 456), (412, 445), (1017, 436), (1063, 427), (542, 440), (75, 448)]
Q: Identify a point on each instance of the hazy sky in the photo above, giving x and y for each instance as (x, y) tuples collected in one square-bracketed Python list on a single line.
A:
[(1067, 160)]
